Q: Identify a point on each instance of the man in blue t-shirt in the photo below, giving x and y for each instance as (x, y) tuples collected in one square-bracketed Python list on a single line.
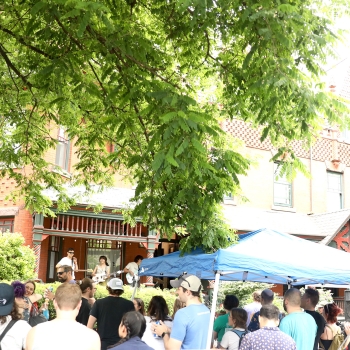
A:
[(191, 324), (298, 324)]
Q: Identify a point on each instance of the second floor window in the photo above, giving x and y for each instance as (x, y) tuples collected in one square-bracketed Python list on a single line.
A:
[(282, 188), (334, 191), (62, 151), (6, 224)]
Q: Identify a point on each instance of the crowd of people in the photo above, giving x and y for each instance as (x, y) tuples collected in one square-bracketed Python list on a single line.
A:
[(116, 323)]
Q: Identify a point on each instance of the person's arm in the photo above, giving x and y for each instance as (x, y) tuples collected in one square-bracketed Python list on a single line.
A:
[(215, 335), (30, 339), (164, 331), (127, 270), (91, 322), (94, 272), (35, 297), (171, 343), (75, 261), (108, 270)]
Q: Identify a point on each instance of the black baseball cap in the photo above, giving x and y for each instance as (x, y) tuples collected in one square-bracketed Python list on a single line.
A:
[(7, 298)]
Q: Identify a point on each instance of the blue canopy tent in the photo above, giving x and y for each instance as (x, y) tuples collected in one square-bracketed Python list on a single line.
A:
[(261, 256)]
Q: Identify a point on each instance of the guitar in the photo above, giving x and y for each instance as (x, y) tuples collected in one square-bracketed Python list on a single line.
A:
[(131, 278), (101, 277)]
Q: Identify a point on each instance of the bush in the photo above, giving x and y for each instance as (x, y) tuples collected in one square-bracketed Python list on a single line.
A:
[(143, 293), (17, 261), (244, 290)]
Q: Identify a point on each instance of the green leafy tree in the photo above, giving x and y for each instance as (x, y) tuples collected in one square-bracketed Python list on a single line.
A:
[(129, 73), (17, 261)]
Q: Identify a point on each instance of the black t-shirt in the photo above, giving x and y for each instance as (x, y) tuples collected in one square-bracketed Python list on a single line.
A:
[(109, 312), (84, 312), (321, 323)]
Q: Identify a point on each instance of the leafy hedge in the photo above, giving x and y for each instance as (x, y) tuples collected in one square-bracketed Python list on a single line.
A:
[(17, 261), (143, 293)]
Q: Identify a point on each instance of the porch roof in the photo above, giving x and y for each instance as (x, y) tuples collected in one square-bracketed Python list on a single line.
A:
[(112, 197), (251, 219)]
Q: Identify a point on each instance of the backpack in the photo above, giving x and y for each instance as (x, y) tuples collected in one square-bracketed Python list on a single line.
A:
[(241, 335), (337, 342)]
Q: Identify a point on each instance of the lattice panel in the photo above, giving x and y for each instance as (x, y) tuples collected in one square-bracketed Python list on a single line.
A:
[(245, 132), (344, 153), (322, 150)]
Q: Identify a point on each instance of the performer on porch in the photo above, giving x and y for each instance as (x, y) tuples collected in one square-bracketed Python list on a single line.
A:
[(132, 271), (69, 260)]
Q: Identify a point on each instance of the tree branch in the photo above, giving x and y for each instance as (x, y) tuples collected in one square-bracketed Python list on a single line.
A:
[(10, 64), (22, 41)]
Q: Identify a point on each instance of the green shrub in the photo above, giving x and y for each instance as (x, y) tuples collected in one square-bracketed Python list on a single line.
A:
[(17, 261), (244, 290), (143, 293)]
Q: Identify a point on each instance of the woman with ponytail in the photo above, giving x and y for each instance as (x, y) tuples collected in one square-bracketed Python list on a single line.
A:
[(131, 330), (332, 331)]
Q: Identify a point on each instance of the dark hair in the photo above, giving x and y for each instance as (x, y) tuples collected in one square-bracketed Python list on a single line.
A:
[(117, 292), (19, 289), (293, 296), (135, 325), (15, 314), (270, 311), (84, 284), (66, 268), (240, 316), (313, 295), (70, 249), (141, 305), (332, 311), (230, 302), (158, 308), (268, 296), (103, 257), (32, 282), (137, 258)]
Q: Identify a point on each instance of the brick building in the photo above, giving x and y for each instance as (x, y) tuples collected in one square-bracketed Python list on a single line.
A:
[(90, 234)]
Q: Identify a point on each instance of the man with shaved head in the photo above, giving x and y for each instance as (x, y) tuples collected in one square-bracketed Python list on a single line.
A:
[(298, 324)]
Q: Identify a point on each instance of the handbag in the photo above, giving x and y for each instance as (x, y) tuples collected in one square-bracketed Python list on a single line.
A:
[(35, 317)]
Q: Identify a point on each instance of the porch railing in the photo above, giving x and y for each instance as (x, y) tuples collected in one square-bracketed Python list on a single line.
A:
[(90, 225)]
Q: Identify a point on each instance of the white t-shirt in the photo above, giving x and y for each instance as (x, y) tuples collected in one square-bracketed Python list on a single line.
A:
[(230, 340), (155, 343), (15, 338), (53, 335), (132, 266), (251, 309), (67, 261)]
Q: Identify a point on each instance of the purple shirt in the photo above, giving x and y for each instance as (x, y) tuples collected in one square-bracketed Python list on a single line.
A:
[(268, 338)]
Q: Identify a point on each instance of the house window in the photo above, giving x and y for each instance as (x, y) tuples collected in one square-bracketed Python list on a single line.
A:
[(282, 188), (62, 151), (6, 224), (346, 135), (334, 191)]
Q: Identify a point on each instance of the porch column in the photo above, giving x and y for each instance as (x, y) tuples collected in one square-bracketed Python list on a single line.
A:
[(37, 238), (152, 243)]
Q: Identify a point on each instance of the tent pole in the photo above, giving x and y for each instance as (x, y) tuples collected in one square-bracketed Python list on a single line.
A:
[(213, 309)]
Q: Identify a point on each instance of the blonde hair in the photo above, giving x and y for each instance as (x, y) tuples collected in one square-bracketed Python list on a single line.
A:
[(68, 296)]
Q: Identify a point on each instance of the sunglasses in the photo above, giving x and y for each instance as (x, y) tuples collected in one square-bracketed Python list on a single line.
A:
[(71, 252), (61, 273)]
